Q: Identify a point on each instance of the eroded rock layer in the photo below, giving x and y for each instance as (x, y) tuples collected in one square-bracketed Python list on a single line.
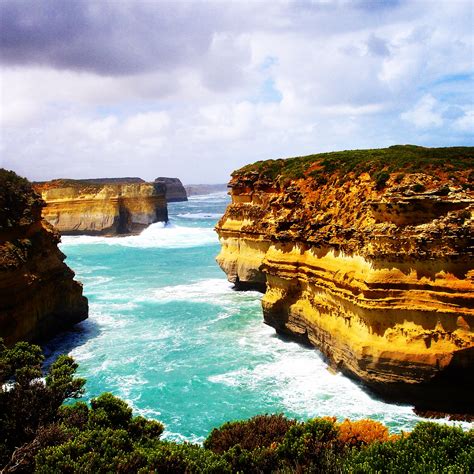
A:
[(103, 207), (368, 256), (38, 293)]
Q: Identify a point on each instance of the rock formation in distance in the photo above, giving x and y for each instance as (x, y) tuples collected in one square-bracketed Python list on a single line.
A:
[(201, 189), (106, 206), (174, 189), (38, 293), (367, 255)]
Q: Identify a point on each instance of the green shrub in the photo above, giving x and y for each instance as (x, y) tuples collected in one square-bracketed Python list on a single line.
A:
[(381, 179), (171, 458), (18, 201), (29, 403), (258, 432), (99, 450), (418, 188), (141, 429), (313, 444), (429, 448), (257, 461), (109, 411)]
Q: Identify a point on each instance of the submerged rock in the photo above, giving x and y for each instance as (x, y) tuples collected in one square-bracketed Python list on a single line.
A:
[(368, 256), (38, 293)]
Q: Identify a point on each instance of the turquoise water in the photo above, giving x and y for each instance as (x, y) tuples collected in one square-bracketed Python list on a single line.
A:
[(167, 333)]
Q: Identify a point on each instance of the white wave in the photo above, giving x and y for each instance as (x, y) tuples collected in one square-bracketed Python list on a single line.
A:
[(200, 215), (156, 235), (213, 290), (298, 377), (219, 196), (202, 291)]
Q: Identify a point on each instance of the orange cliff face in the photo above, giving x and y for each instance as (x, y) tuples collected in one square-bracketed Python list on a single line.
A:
[(103, 206), (38, 293), (368, 256)]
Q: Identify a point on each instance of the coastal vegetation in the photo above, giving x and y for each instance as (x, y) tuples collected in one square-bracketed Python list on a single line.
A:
[(18, 201), (42, 430), (379, 163)]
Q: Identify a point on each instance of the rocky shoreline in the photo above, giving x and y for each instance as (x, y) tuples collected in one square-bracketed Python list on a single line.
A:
[(366, 255), (38, 294)]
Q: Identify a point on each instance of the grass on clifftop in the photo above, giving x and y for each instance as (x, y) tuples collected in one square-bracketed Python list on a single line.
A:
[(17, 200), (397, 158)]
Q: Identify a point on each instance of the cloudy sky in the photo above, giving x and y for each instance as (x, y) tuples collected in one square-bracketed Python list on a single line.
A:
[(195, 89)]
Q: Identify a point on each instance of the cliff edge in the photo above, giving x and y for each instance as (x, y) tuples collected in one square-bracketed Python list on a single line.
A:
[(38, 295), (367, 255), (102, 206)]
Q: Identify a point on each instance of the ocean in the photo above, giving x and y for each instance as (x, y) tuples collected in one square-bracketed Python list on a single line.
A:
[(168, 334)]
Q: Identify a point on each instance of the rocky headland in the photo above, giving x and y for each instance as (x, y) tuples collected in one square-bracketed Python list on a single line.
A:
[(368, 256), (108, 206), (174, 189), (38, 293)]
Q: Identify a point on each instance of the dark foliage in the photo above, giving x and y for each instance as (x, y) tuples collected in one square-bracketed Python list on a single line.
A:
[(29, 404), (429, 448), (18, 201), (258, 432)]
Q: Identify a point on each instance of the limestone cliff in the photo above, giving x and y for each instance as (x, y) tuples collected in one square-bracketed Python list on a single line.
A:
[(38, 295), (174, 189), (103, 206), (367, 255)]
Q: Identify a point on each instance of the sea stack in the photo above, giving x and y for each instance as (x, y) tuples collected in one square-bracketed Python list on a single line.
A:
[(106, 206), (174, 189), (368, 256), (38, 293)]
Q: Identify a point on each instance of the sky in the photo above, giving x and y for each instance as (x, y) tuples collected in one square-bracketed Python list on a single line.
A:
[(196, 89)]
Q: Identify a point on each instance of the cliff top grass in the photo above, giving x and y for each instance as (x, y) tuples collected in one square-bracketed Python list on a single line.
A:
[(66, 182), (397, 158), (18, 201)]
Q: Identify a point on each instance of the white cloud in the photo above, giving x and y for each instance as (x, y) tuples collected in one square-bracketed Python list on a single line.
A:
[(294, 78), (466, 122), (424, 114)]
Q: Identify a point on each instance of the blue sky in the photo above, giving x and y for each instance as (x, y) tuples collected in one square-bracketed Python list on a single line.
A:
[(196, 89)]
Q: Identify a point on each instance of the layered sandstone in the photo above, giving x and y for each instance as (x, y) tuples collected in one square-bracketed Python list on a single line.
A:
[(103, 206), (368, 256), (174, 189), (38, 293)]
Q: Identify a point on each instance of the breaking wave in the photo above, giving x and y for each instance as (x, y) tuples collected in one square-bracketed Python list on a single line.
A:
[(157, 235)]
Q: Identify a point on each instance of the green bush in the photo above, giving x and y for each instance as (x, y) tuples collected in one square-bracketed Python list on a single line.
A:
[(99, 450), (18, 201), (258, 432), (172, 458), (28, 403), (429, 448), (109, 411), (311, 445), (381, 179)]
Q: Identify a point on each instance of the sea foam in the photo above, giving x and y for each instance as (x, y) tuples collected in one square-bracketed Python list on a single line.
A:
[(157, 235)]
